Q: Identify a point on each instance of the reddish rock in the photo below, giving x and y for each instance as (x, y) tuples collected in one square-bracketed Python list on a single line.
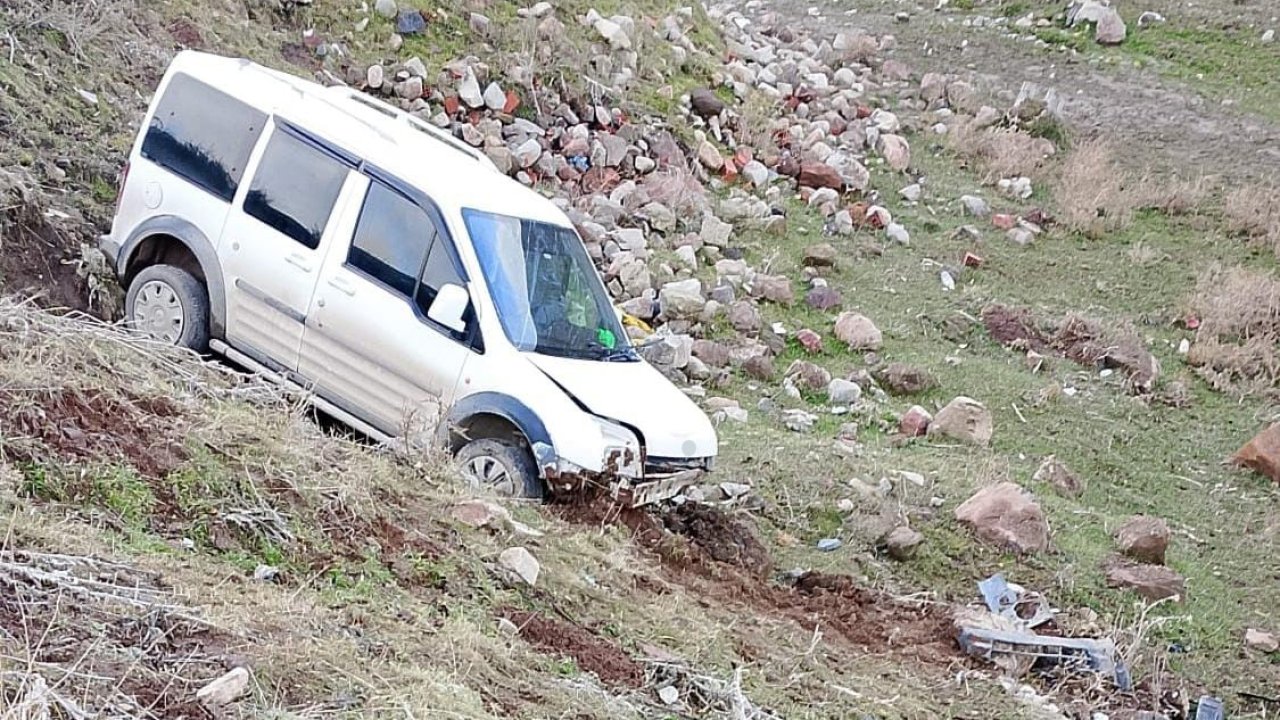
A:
[(513, 102), (1144, 538), (902, 542), (820, 175), (809, 376), (810, 340), (451, 105), (1152, 582), (1004, 221), (1006, 515), (774, 288), (1262, 453), (712, 353), (858, 332), (915, 423), (971, 260)]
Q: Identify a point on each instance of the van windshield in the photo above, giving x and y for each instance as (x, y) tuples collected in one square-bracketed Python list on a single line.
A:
[(548, 296)]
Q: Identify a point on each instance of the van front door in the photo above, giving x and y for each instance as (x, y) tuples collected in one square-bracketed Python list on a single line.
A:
[(368, 345), (275, 240)]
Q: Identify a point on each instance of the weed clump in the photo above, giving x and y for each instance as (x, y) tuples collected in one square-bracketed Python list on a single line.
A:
[(1253, 211), (1239, 314), (1000, 152)]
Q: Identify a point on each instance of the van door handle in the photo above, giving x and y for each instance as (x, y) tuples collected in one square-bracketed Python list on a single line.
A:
[(342, 286), (299, 261)]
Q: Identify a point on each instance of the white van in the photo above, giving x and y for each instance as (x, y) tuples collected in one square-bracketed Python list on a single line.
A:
[(328, 240)]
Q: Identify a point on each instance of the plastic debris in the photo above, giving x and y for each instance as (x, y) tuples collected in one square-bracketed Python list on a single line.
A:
[(1097, 655), (1210, 708), (829, 544), (1027, 609)]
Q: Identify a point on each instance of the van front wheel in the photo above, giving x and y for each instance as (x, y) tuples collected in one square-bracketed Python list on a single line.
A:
[(169, 305), (502, 465)]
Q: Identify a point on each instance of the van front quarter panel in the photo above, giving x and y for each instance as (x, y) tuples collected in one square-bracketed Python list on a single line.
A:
[(167, 238)]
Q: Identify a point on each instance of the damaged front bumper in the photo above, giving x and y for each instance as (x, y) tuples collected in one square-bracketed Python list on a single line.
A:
[(624, 477)]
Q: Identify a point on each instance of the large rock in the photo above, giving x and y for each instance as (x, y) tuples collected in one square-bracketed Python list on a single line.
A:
[(714, 231), (823, 297), (896, 151), (225, 689), (682, 299), (820, 175), (858, 332), (809, 376), (705, 103), (1006, 515), (1144, 538), (469, 90), (521, 562), (964, 419), (711, 352), (915, 422), (821, 255), (1111, 29), (1152, 582), (744, 316), (843, 392), (1262, 453), (774, 288)]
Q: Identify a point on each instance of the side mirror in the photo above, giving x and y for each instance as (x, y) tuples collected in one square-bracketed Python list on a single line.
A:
[(449, 307)]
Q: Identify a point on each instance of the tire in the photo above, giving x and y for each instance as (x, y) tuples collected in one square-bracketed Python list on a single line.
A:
[(503, 465), (169, 305)]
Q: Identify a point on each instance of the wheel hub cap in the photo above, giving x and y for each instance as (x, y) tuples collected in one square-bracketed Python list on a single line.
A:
[(487, 470), (158, 312)]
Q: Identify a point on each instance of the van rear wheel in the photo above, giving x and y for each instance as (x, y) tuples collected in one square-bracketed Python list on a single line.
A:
[(506, 467), (169, 305)]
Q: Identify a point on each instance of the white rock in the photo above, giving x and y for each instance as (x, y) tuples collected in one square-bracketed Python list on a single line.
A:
[(844, 392), (1268, 37), (645, 164), (756, 172), (613, 32), (225, 689), (669, 695), (374, 77), (898, 234), (911, 193), (528, 152), (682, 299), (386, 8), (521, 562), (416, 67), (469, 90), (494, 97), (975, 206)]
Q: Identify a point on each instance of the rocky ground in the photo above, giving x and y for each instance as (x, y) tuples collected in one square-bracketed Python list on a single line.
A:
[(966, 291)]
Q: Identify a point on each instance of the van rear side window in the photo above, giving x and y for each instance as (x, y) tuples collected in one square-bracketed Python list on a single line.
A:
[(203, 135)]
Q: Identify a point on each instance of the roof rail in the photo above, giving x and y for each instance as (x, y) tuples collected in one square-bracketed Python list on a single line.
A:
[(395, 113)]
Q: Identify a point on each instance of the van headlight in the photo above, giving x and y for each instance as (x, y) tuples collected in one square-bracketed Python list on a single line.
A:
[(621, 451)]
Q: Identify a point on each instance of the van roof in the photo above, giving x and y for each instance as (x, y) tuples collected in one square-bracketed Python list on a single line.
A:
[(448, 170)]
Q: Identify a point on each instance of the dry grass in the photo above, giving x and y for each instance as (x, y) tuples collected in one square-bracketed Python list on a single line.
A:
[(1173, 195), (999, 153), (1253, 211), (1239, 313), (1094, 194)]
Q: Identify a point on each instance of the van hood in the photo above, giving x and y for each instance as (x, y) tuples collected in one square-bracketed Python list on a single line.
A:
[(636, 394)]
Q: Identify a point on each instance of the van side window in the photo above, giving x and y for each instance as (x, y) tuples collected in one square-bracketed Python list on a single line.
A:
[(391, 240), (203, 135), (439, 271), (294, 189)]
